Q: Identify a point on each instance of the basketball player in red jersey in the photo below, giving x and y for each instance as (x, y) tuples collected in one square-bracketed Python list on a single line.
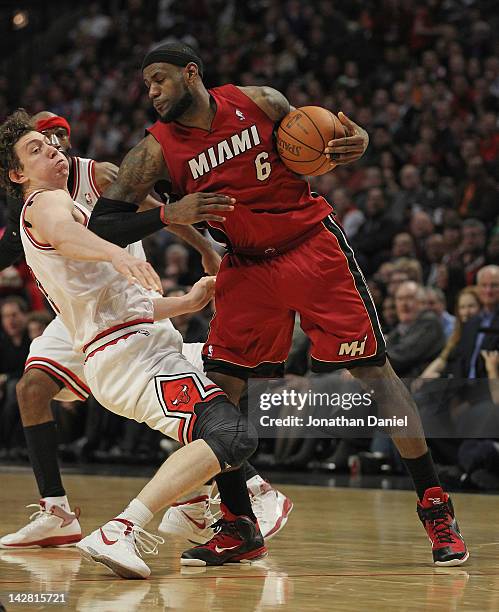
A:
[(286, 255)]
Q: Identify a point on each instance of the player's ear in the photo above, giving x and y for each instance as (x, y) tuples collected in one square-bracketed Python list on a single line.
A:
[(191, 71), (17, 176)]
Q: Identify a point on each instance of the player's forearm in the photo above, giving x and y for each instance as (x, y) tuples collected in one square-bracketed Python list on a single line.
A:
[(75, 241), (190, 235), (120, 223), (167, 307)]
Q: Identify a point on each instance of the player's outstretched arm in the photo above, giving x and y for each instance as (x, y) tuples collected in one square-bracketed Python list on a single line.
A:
[(197, 298), (51, 217)]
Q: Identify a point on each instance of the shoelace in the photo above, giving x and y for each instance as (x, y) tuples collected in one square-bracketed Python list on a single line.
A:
[(442, 528), (216, 502), (147, 542), (221, 528), (39, 514), (257, 505)]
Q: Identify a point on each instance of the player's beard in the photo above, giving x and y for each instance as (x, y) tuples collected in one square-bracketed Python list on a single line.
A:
[(178, 109)]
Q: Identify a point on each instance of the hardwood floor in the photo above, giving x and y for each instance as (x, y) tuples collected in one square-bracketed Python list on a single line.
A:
[(342, 550)]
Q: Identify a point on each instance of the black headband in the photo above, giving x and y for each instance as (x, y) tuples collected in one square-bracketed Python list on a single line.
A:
[(164, 54)]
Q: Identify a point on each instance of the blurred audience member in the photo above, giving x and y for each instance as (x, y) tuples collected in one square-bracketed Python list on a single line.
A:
[(436, 302), (418, 336)]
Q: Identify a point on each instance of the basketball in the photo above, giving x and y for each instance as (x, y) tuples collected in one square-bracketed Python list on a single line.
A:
[(302, 137)]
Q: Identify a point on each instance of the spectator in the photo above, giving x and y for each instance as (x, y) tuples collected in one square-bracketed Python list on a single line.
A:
[(436, 302), (478, 194), (37, 322), (434, 254), (411, 196), (389, 314), (14, 348), (375, 235), (468, 306), (473, 339), (403, 245), (418, 337), (471, 256), (350, 217)]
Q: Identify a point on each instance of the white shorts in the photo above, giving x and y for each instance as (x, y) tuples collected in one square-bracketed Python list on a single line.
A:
[(53, 353), (140, 373)]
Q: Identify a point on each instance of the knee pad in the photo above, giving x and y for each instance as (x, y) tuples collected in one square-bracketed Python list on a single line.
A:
[(227, 432)]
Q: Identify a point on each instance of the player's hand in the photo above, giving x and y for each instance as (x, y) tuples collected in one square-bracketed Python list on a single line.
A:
[(197, 207), (201, 293), (136, 271), (211, 261), (350, 147)]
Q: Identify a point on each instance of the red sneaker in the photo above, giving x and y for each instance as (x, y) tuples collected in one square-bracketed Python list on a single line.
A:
[(237, 539), (437, 515)]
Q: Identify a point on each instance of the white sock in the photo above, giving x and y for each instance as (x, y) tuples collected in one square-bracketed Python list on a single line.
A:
[(61, 501), (202, 491), (255, 480), (137, 512)]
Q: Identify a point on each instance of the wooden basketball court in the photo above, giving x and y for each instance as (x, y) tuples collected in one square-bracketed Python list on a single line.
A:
[(342, 549)]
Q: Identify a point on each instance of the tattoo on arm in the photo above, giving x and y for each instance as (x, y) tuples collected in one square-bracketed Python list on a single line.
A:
[(141, 168), (272, 102)]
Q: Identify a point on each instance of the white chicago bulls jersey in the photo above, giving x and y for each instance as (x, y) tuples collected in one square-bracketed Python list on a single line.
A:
[(86, 192), (90, 297)]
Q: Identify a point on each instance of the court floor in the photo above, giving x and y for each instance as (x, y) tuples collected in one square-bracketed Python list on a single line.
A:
[(342, 549)]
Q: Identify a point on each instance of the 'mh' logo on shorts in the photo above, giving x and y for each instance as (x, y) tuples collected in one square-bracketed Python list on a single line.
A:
[(357, 347)]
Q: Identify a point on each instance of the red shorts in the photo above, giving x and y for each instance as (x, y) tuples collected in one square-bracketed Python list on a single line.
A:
[(256, 301)]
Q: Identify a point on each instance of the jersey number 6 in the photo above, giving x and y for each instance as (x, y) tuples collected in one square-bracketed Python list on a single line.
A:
[(263, 168)]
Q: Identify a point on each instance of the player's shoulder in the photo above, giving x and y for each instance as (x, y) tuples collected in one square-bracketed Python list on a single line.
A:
[(52, 196), (271, 101)]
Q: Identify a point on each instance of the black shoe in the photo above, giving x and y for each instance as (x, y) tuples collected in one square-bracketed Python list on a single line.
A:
[(237, 539)]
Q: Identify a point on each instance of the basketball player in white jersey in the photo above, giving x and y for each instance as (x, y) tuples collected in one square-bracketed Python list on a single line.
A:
[(132, 365), (54, 370)]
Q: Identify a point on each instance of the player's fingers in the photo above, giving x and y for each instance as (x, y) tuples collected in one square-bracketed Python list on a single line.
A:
[(147, 276), (228, 204), (222, 207), (357, 139), (348, 123), (223, 199), (336, 151)]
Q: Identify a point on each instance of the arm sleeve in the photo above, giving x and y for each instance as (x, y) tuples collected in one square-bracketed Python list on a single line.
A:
[(11, 248), (120, 223)]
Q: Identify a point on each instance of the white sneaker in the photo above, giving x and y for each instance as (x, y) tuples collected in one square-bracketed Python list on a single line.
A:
[(190, 520), (50, 525), (116, 545), (270, 506)]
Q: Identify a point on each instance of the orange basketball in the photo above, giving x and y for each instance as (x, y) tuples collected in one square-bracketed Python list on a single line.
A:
[(302, 137)]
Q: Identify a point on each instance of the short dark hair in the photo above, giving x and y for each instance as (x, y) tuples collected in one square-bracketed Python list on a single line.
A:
[(12, 129), (15, 299)]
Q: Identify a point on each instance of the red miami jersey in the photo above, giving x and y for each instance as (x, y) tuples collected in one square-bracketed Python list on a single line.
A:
[(237, 157)]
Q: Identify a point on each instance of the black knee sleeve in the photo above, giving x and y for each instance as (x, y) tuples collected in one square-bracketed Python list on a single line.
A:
[(227, 432)]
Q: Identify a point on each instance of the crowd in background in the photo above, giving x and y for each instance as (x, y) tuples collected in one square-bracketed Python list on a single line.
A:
[(421, 208)]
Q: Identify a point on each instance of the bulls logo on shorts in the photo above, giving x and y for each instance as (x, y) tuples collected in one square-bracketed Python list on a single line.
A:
[(178, 395)]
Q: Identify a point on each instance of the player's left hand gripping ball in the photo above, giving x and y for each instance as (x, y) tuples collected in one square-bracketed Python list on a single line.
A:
[(350, 147)]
